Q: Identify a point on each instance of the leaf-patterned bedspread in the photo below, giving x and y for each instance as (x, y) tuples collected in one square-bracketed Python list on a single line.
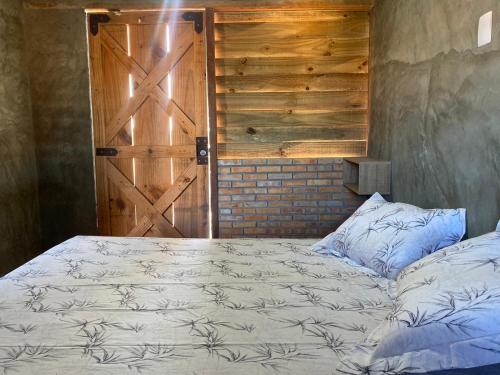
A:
[(183, 306)]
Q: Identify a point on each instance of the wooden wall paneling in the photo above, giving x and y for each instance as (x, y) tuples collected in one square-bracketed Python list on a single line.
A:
[(270, 66), (212, 119), (287, 80)]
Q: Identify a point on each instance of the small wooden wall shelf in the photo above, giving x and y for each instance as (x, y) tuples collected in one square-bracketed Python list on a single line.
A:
[(365, 176)]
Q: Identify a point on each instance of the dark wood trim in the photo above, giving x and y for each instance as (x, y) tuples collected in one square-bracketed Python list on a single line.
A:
[(212, 120)]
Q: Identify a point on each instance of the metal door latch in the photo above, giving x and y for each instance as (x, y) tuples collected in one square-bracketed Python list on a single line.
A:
[(202, 150)]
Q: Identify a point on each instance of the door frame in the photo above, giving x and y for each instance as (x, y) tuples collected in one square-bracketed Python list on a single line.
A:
[(96, 16)]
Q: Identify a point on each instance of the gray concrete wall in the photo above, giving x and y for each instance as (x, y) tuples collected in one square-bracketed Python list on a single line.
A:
[(19, 221), (58, 68), (435, 105)]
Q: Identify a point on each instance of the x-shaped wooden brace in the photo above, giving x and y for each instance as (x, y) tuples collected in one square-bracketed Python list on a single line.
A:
[(153, 212), (148, 85)]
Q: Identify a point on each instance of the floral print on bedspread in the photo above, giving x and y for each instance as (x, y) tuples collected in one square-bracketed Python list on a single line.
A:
[(116, 305)]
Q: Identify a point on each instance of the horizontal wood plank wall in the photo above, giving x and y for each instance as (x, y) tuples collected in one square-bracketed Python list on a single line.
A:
[(292, 83)]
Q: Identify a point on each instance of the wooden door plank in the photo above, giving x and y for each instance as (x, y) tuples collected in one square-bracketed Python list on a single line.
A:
[(293, 83), (98, 118), (287, 66)]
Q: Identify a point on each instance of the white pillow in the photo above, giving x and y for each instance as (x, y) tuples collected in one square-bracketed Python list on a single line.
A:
[(446, 314), (387, 237)]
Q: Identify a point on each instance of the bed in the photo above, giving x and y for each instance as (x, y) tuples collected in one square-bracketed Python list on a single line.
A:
[(185, 306)]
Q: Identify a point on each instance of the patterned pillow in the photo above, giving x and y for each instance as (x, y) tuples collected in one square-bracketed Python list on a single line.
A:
[(387, 237), (446, 314)]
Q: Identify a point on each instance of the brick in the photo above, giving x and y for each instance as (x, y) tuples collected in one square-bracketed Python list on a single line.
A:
[(243, 184), (225, 224), (305, 203), (336, 175), (230, 232), (306, 189), (229, 162), (320, 168), (280, 204), (294, 168), (230, 218), (331, 217), (280, 218), (242, 169), (229, 204), (245, 224), (305, 161), (224, 184), (318, 196), (254, 161), (317, 182), (330, 189), (268, 197), (304, 217), (256, 204), (239, 211), (225, 211), (268, 183), (230, 177), (256, 217), (280, 190), (230, 191), (269, 168), (295, 183), (331, 203), (255, 190), (255, 176), (294, 210), (295, 197), (242, 197), (330, 161), (280, 176), (305, 175), (268, 210), (274, 224), (224, 198), (279, 161)]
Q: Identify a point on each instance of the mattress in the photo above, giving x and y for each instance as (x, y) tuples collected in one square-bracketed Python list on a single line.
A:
[(111, 305)]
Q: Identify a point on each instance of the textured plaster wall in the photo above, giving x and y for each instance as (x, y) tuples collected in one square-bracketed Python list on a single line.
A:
[(19, 221), (58, 68), (435, 105)]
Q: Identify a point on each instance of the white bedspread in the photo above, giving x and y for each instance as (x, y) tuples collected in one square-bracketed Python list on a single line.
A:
[(167, 306)]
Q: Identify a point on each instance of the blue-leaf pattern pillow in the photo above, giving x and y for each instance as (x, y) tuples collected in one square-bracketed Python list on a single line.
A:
[(387, 237), (446, 314)]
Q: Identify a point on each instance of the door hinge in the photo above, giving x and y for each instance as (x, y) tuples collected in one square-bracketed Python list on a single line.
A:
[(202, 150), (106, 151), (197, 17), (95, 19)]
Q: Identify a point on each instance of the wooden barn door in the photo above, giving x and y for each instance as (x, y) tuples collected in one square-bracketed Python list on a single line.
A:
[(148, 78)]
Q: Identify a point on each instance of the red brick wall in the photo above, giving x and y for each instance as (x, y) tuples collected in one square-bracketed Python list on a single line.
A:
[(283, 197)]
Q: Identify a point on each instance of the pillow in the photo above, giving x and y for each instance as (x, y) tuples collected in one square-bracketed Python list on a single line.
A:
[(446, 314), (387, 237)]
